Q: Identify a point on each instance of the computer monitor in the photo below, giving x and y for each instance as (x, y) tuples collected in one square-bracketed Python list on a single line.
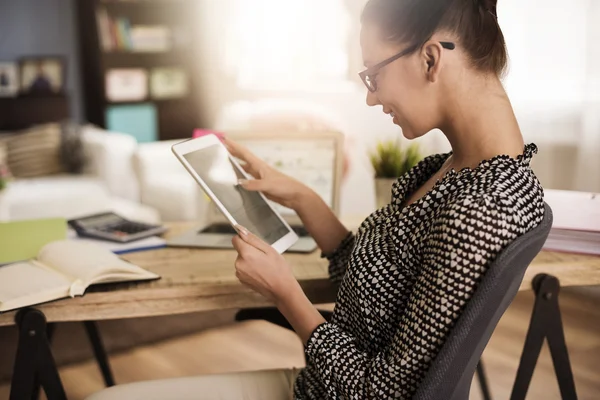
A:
[(313, 158)]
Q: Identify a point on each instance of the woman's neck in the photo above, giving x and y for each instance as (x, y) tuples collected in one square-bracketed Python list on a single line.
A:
[(480, 123)]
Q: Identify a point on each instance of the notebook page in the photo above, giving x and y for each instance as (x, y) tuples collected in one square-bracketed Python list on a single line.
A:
[(27, 279), (83, 260)]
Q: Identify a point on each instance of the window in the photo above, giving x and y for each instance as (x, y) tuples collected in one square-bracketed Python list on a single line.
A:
[(288, 44)]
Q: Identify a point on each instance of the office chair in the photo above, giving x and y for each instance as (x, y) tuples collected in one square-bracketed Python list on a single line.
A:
[(451, 372), (449, 376)]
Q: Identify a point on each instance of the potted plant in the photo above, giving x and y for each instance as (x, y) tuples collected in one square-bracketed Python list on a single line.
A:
[(4, 177), (391, 160)]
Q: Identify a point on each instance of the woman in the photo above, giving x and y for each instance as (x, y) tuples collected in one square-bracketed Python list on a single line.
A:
[(412, 266)]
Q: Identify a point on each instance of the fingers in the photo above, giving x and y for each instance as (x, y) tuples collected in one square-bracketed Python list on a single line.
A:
[(253, 240), (240, 151), (250, 169), (242, 274), (255, 185), (239, 245), (246, 167), (245, 250), (239, 269)]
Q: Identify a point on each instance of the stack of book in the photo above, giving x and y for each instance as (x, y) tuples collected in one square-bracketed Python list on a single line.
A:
[(576, 224), (118, 34)]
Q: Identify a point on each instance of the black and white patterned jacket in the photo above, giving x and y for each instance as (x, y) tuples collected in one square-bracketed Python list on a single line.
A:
[(407, 274)]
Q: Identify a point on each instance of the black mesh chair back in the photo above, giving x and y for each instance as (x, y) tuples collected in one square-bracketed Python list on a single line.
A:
[(451, 372)]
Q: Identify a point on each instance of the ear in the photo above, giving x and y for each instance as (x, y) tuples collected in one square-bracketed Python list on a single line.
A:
[(431, 56)]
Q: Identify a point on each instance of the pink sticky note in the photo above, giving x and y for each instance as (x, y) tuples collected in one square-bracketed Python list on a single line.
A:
[(202, 132)]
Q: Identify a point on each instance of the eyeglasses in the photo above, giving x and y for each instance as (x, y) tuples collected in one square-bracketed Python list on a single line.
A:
[(369, 74)]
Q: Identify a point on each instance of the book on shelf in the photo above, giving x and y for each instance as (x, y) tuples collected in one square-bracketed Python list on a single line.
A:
[(63, 268), (576, 221), (118, 34), (104, 29), (150, 38)]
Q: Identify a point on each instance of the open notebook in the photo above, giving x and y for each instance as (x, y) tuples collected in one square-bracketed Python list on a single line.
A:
[(63, 268)]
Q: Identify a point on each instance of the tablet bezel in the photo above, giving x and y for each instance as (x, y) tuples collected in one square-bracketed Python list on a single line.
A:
[(190, 145)]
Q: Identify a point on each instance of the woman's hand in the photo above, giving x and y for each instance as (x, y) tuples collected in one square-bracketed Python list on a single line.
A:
[(261, 267), (275, 185), (264, 270)]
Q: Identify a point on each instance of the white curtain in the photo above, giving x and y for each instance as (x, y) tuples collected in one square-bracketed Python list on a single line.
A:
[(588, 162), (554, 84)]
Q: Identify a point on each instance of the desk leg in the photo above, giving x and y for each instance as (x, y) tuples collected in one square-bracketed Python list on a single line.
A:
[(36, 383), (101, 358), (483, 383), (34, 364), (545, 323)]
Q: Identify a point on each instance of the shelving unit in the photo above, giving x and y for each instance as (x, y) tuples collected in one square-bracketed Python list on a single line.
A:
[(107, 34), (24, 111)]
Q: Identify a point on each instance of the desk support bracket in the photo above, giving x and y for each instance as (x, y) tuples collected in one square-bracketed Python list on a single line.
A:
[(34, 363), (546, 323)]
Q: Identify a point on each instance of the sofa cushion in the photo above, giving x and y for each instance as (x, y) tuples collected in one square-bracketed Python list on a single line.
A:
[(66, 196), (72, 154), (36, 151), (174, 196)]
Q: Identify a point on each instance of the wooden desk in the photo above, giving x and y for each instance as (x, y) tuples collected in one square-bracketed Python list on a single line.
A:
[(204, 280)]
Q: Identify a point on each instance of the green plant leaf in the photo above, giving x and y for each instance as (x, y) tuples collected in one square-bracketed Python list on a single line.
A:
[(390, 160)]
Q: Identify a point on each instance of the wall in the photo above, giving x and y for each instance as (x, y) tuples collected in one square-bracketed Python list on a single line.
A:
[(42, 27)]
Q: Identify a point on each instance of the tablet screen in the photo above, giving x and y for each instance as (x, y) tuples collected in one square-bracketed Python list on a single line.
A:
[(249, 209)]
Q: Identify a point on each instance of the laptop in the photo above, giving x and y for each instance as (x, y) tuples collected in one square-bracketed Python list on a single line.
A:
[(314, 158)]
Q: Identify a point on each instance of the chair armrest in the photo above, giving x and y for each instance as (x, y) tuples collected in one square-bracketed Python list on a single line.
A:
[(110, 157)]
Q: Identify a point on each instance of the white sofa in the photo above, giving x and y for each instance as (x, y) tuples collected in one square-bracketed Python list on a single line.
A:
[(165, 185), (109, 183)]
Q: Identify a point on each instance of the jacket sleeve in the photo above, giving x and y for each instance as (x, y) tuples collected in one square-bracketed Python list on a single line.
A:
[(464, 239), (338, 259)]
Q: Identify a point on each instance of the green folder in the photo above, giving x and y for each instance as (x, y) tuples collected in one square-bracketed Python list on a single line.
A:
[(22, 240)]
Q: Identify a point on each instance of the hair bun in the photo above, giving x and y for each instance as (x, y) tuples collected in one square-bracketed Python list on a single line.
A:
[(489, 6)]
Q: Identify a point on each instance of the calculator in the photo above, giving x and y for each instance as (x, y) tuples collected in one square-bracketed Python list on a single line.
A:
[(113, 227)]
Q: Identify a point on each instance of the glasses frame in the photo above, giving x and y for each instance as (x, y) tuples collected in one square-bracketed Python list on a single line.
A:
[(371, 71)]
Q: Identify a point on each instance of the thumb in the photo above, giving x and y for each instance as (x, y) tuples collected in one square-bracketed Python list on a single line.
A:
[(253, 240), (256, 185)]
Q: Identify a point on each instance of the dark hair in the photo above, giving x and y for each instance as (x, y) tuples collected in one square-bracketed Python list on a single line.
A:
[(474, 22)]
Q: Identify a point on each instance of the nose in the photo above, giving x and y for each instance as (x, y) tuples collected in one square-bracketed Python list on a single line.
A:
[(372, 99)]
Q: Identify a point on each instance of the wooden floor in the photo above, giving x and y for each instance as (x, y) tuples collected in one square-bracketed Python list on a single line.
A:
[(258, 345)]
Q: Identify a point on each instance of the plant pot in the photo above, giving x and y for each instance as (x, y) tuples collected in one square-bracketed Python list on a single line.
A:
[(383, 191)]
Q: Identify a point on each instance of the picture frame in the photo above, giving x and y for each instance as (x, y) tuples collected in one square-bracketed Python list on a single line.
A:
[(9, 78), (168, 83), (42, 75), (126, 84)]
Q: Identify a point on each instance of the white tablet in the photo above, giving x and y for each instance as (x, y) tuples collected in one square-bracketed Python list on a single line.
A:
[(217, 172)]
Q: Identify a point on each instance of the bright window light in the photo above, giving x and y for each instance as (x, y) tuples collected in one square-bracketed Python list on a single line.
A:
[(288, 44)]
